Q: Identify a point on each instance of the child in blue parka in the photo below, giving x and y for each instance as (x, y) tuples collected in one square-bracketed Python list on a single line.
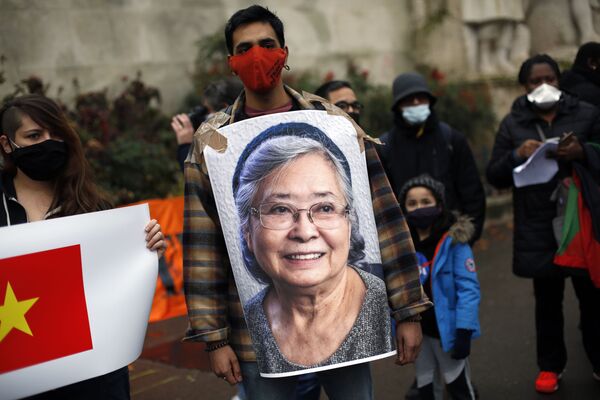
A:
[(448, 277)]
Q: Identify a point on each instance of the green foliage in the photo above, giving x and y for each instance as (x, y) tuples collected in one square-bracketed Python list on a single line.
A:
[(127, 141), (466, 106), (210, 64), (132, 169), (375, 117)]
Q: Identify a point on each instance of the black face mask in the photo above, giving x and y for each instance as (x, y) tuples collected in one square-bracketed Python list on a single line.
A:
[(355, 117), (41, 161), (424, 217)]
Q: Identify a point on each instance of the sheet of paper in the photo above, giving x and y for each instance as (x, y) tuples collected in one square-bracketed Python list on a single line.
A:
[(538, 168), (115, 276)]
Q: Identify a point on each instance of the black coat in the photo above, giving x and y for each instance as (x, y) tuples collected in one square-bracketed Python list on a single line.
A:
[(534, 243), (447, 157), (581, 84), (10, 209)]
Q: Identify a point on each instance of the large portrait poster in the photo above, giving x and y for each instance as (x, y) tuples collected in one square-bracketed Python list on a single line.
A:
[(294, 203)]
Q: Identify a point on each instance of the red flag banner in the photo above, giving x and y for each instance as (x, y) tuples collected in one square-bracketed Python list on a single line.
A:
[(75, 295), (45, 318)]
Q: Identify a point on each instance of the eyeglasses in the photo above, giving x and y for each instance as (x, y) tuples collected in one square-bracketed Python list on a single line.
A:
[(344, 105), (280, 216)]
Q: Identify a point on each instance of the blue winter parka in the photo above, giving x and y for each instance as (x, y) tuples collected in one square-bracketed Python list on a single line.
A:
[(455, 289)]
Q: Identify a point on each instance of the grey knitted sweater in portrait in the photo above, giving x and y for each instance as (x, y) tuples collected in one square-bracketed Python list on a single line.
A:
[(370, 335)]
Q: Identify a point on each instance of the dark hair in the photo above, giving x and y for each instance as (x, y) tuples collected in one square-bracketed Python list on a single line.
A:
[(331, 86), (249, 15), (585, 52), (528, 64), (222, 93), (425, 180), (74, 189)]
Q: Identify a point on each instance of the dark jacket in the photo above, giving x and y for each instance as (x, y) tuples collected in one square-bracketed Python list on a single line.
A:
[(10, 209), (443, 153), (583, 84), (534, 242)]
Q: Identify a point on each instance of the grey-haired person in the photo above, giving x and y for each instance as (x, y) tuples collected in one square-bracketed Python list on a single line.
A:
[(300, 236)]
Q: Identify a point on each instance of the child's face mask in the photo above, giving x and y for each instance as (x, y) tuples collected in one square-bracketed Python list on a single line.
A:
[(423, 217)]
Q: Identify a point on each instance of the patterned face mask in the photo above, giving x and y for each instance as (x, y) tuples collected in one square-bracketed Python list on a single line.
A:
[(259, 68)]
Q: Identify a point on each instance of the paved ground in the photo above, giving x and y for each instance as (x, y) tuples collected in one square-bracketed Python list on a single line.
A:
[(503, 359)]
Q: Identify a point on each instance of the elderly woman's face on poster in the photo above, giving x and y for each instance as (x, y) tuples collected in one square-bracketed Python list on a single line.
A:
[(299, 230)]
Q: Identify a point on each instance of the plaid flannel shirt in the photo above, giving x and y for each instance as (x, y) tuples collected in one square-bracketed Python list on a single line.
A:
[(214, 308)]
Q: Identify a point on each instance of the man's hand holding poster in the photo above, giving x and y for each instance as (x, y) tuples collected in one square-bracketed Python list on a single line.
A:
[(294, 203)]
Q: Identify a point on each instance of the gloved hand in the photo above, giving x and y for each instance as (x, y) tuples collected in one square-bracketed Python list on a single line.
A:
[(462, 344)]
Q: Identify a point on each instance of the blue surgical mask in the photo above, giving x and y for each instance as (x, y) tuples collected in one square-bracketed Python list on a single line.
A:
[(416, 115)]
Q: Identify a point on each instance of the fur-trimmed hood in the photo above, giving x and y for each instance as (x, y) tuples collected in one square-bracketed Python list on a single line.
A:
[(462, 230)]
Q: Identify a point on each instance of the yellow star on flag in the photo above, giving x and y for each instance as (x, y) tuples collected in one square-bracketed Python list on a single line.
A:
[(12, 313)]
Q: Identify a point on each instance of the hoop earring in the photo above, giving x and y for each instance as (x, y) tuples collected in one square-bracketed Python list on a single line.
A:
[(286, 67)]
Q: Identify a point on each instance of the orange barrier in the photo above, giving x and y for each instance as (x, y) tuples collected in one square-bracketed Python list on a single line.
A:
[(168, 300)]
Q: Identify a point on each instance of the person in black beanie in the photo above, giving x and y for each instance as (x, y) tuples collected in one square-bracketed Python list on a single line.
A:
[(449, 278), (419, 143), (583, 79)]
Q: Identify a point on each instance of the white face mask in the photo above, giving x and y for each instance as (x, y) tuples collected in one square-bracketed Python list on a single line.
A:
[(416, 115), (544, 96)]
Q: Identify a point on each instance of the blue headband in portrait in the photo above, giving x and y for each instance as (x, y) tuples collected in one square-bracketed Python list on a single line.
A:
[(298, 129)]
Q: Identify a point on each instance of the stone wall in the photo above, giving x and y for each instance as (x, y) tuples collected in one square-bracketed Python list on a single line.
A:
[(101, 41)]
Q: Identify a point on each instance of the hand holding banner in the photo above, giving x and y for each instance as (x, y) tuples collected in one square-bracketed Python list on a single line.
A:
[(75, 295)]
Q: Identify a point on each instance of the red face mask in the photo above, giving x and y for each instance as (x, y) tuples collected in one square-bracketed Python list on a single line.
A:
[(259, 68)]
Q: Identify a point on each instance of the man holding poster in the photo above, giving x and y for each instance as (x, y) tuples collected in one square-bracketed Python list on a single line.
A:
[(257, 50)]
